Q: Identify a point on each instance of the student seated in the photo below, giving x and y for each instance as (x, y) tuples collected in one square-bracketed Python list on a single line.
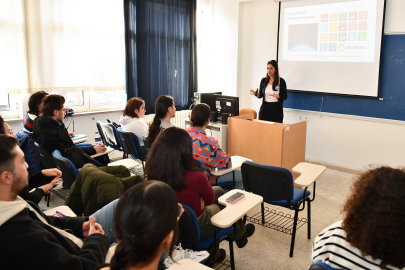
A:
[(164, 111), (50, 132), (132, 120), (42, 181), (30, 239), (372, 235), (24, 136), (214, 156), (171, 160), (145, 222)]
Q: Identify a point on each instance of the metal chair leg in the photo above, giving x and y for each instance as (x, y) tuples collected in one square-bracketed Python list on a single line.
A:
[(233, 174), (309, 219), (49, 199), (231, 255), (293, 234), (262, 212)]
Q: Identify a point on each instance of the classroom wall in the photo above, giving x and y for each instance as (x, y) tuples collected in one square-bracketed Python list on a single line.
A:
[(246, 33)]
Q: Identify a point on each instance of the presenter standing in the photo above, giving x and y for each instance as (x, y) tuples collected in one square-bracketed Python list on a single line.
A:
[(273, 90)]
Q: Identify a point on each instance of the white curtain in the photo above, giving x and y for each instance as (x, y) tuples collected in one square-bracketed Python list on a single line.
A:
[(69, 45), (13, 76)]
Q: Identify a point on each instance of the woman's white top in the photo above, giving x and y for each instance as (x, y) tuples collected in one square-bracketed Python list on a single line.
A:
[(269, 90), (138, 126)]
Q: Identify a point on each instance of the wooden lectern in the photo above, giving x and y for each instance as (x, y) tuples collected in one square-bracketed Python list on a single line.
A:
[(275, 144)]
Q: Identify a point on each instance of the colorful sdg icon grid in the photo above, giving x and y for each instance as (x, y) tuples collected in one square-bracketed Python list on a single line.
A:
[(340, 27)]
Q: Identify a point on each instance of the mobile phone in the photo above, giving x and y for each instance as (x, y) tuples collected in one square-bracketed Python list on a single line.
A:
[(235, 197)]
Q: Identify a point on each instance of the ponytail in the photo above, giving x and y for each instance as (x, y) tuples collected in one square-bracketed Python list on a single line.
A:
[(122, 255), (162, 104), (154, 129)]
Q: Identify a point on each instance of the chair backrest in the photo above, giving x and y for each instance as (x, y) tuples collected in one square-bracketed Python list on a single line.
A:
[(320, 266), (109, 135), (270, 182), (45, 157), (248, 111), (197, 164), (189, 228), (147, 144), (69, 172), (130, 143)]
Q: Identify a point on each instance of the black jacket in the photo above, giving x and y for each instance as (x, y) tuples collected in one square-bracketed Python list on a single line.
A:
[(51, 136), (28, 243), (282, 93)]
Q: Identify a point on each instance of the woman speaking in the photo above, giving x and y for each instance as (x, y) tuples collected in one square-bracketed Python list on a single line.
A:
[(273, 90)]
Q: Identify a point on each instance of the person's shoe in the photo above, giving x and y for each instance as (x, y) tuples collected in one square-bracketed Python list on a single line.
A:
[(249, 231), (221, 256), (179, 254)]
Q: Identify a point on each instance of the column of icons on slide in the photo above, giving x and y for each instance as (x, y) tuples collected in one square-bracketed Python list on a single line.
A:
[(340, 27)]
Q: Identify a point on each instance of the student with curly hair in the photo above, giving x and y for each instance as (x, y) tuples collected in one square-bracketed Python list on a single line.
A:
[(372, 234)]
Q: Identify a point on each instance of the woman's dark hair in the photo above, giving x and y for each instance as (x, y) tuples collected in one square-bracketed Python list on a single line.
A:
[(200, 115), (133, 104), (145, 214), (375, 218), (276, 75), (162, 104), (2, 131), (35, 100), (52, 103), (170, 155)]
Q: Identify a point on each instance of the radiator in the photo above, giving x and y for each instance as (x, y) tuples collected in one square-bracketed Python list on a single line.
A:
[(178, 119)]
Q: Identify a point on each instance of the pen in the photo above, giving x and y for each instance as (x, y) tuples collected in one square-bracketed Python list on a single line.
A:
[(60, 213)]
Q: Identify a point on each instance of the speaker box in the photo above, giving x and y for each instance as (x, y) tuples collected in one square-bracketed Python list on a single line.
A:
[(225, 117)]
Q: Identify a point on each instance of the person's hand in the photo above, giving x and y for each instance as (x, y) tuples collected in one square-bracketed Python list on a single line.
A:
[(90, 227), (252, 92), (52, 173), (202, 203), (71, 134), (100, 148), (274, 95), (47, 188)]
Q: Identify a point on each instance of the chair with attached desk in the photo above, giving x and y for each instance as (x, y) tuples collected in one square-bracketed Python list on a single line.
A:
[(109, 136), (236, 164), (131, 146), (276, 186), (190, 233), (47, 163), (69, 171)]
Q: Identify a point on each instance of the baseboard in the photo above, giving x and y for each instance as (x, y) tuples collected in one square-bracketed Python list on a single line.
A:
[(336, 166)]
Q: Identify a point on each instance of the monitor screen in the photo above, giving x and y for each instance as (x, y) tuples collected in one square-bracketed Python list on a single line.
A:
[(227, 104), (208, 98)]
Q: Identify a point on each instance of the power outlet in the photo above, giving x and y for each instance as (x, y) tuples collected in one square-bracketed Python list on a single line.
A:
[(299, 117), (305, 118)]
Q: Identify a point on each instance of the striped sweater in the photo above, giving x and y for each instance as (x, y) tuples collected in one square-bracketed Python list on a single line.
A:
[(208, 152), (331, 248)]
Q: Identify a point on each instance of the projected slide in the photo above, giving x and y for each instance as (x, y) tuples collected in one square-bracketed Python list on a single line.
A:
[(337, 32)]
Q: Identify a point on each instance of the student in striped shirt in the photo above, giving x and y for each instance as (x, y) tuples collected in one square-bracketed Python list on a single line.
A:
[(372, 234)]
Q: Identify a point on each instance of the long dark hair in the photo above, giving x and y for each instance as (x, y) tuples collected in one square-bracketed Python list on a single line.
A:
[(145, 214), (170, 155), (162, 104), (276, 75), (375, 214)]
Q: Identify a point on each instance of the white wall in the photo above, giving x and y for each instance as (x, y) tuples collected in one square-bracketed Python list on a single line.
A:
[(245, 34)]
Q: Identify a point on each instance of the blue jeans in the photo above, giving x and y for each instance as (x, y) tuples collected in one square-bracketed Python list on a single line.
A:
[(105, 217)]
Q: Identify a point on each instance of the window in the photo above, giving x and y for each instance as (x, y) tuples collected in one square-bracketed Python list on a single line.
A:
[(9, 104)]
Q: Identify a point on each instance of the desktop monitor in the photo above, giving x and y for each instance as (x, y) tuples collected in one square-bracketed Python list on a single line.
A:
[(226, 104), (209, 99)]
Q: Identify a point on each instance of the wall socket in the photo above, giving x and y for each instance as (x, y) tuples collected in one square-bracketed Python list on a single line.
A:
[(305, 118), (299, 117)]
